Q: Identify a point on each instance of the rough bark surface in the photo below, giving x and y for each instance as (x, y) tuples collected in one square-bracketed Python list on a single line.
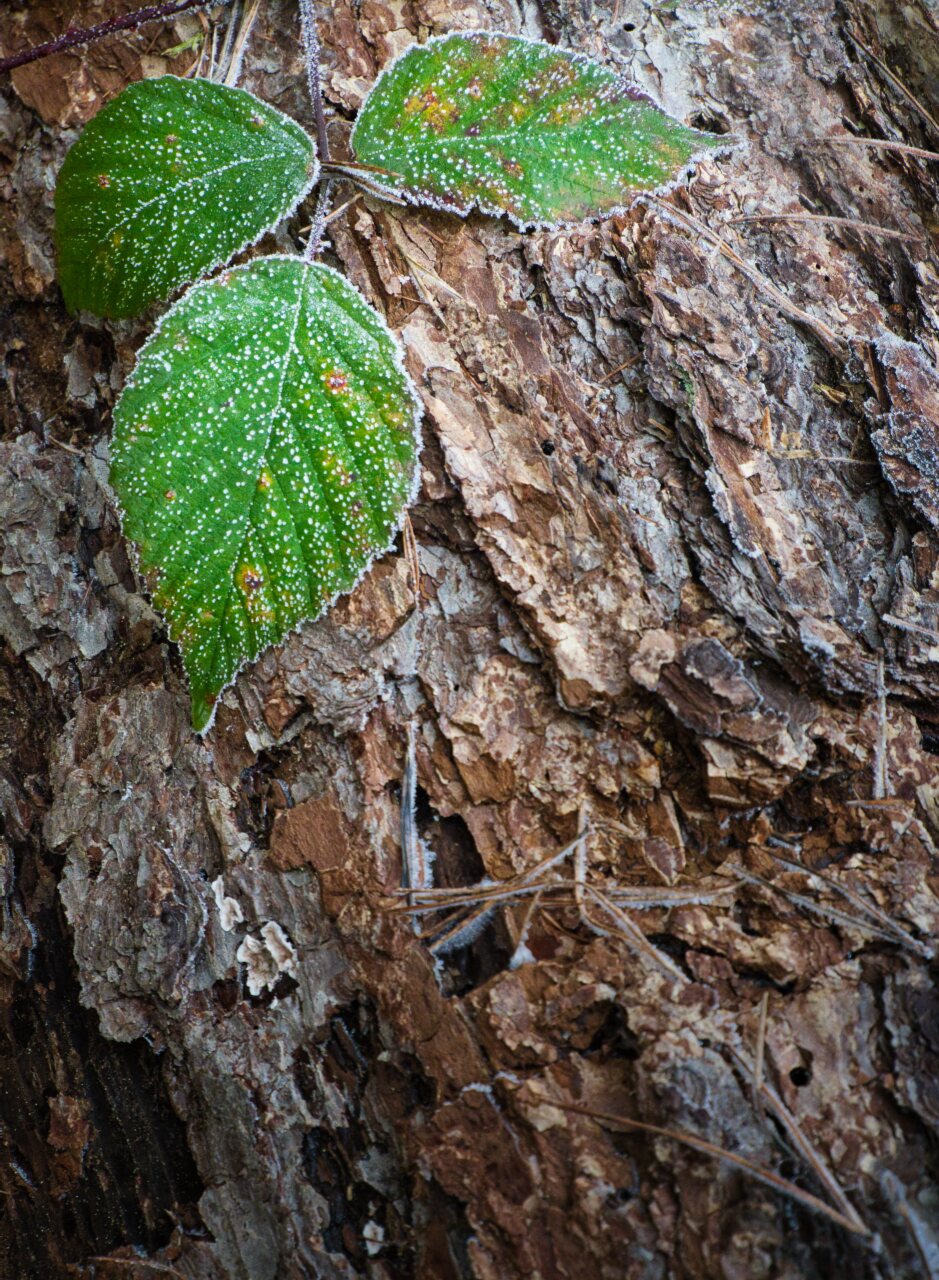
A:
[(678, 541)]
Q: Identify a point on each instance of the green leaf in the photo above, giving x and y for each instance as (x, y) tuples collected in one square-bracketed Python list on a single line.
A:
[(170, 180), (517, 127), (263, 452)]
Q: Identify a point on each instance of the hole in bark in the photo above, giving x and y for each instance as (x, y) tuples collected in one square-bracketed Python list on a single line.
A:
[(673, 947), (614, 1039), (253, 813), (406, 1081), (227, 993), (469, 966), (486, 949), (456, 858), (710, 122), (284, 986)]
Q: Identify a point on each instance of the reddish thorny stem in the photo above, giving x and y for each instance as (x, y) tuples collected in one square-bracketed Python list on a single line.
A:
[(311, 45), (75, 37)]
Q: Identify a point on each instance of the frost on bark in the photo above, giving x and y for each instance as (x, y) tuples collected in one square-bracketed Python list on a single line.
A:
[(678, 543)]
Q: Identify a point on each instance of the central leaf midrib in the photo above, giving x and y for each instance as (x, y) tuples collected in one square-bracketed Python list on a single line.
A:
[(485, 138), (163, 196), (275, 410)]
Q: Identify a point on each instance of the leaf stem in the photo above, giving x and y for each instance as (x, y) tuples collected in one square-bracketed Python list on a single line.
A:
[(311, 45), (320, 218), (76, 36)]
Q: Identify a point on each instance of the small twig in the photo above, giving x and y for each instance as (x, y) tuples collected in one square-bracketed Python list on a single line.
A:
[(902, 625), (832, 914), (580, 862), (210, 75), (240, 44), (883, 144), (868, 908), (880, 749), (710, 1149), (521, 951), (336, 213), (925, 1246), (415, 871), (806, 455), (224, 58), (760, 1050), (634, 936), (428, 901), (318, 226), (412, 557), (353, 166), (346, 204), (361, 175), (311, 44), (76, 37), (850, 223), (804, 1147), (458, 933), (452, 900), (620, 368)]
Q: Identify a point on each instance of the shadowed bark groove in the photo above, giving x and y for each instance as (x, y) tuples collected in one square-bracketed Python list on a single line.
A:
[(678, 543)]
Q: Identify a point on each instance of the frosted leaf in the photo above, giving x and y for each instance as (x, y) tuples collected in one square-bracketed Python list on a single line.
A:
[(517, 127), (168, 181), (263, 452)]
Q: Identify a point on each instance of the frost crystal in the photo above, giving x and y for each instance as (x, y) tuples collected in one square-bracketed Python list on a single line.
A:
[(262, 453), (170, 180), (517, 127)]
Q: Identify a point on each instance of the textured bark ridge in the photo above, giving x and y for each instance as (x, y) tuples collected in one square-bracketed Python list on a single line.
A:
[(677, 614)]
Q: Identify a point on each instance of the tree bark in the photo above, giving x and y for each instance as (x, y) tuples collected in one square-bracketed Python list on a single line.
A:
[(677, 613)]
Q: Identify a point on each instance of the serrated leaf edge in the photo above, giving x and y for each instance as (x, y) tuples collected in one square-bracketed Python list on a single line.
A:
[(378, 554), (288, 212), (390, 193)]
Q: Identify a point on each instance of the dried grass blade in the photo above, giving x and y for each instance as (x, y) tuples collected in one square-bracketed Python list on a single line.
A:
[(710, 1149), (627, 929), (827, 913), (803, 1145)]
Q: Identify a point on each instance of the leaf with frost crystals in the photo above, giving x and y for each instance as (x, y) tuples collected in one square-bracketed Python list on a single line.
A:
[(517, 127), (168, 181), (263, 452)]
